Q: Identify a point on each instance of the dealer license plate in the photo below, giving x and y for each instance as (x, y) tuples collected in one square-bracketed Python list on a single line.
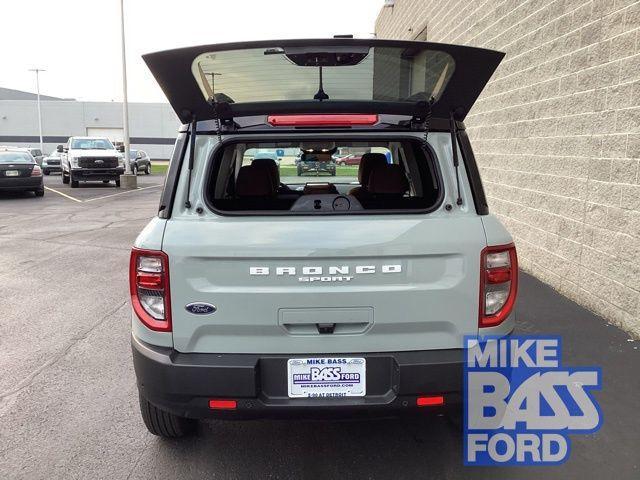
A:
[(326, 377), (12, 173)]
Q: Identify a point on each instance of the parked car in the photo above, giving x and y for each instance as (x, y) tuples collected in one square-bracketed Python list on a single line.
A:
[(334, 299), (20, 172), (349, 160), (90, 159), (140, 162), (36, 153), (315, 162), (51, 163)]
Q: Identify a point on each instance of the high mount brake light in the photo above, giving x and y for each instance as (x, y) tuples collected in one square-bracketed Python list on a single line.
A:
[(498, 284), (149, 287), (316, 120)]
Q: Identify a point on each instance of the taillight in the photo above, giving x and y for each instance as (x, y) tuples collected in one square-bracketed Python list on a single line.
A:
[(316, 120), (498, 284), (37, 171), (149, 285)]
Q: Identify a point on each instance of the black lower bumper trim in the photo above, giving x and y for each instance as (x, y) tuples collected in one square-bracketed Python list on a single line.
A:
[(183, 383)]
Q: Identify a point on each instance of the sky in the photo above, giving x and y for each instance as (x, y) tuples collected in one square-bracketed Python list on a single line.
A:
[(77, 42)]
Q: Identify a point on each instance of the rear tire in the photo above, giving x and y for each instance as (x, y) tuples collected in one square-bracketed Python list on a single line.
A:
[(165, 424), (118, 183), (299, 172), (74, 183), (65, 179), (39, 193), (46, 172), (105, 181), (147, 170)]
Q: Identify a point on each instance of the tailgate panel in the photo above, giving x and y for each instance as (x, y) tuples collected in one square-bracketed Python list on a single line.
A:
[(388, 283)]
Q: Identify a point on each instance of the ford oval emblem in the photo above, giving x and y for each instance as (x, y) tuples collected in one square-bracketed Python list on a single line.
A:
[(200, 308)]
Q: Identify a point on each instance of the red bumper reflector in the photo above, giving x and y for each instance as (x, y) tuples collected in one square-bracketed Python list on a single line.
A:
[(149, 280), (222, 404), (332, 120), (498, 275), (431, 401)]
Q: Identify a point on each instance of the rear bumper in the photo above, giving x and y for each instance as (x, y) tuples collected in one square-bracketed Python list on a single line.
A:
[(184, 383), (52, 168), (96, 173), (21, 183)]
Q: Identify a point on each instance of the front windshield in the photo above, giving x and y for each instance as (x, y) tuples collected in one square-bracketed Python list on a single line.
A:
[(15, 157), (91, 144)]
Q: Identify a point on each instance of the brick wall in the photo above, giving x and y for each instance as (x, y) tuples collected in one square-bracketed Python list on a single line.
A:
[(556, 133)]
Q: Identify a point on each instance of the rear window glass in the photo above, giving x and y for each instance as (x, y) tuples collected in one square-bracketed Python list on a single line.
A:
[(15, 157), (389, 74), (310, 177)]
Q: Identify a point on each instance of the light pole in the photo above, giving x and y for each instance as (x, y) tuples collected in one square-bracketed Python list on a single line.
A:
[(127, 180), (38, 70)]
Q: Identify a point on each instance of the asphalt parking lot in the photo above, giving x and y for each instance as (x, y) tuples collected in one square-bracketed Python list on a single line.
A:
[(68, 401)]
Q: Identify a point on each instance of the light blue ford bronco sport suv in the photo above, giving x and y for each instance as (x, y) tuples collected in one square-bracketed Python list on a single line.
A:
[(258, 293)]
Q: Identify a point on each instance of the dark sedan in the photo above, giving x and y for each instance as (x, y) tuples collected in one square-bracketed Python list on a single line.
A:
[(19, 171)]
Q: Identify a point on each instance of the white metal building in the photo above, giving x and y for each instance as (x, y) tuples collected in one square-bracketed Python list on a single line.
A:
[(152, 126)]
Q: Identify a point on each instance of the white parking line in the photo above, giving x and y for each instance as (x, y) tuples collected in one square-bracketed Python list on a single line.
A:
[(64, 194), (120, 193)]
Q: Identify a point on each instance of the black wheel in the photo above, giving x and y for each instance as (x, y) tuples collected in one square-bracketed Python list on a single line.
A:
[(299, 172), (147, 170), (105, 181), (39, 193), (65, 178), (74, 183), (46, 172), (333, 174), (118, 183), (165, 424)]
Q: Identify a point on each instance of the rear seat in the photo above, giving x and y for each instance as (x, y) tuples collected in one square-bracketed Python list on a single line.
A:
[(387, 188), (255, 189), (368, 163)]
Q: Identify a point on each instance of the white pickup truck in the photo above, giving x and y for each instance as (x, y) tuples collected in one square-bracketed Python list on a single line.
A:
[(90, 159)]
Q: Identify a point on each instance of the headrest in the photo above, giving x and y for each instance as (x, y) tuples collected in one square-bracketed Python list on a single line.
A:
[(254, 181), (388, 179), (368, 162), (270, 164)]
